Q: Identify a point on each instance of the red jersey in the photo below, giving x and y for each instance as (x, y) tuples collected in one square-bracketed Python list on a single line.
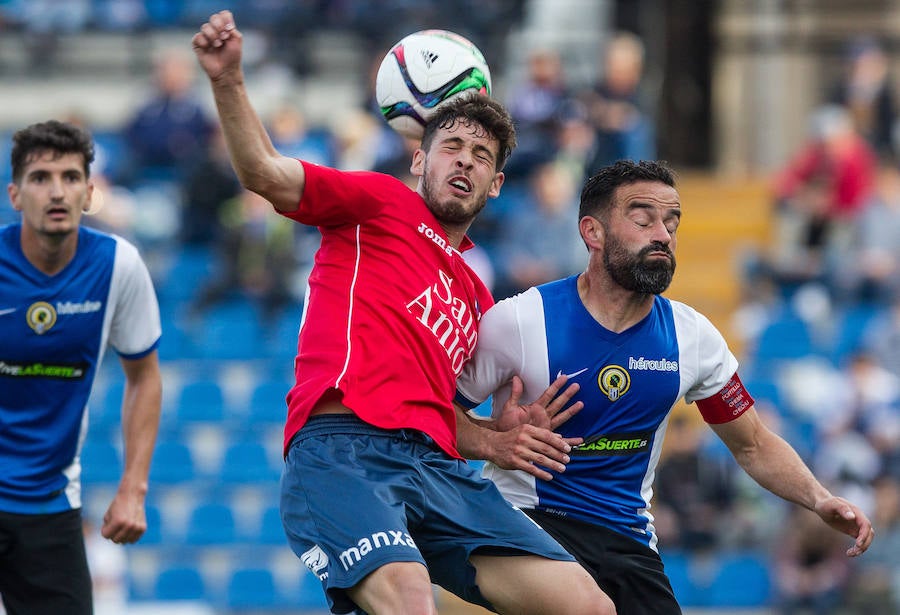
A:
[(392, 310)]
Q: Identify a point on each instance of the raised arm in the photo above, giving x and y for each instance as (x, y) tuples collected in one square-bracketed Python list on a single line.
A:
[(776, 466), (259, 167)]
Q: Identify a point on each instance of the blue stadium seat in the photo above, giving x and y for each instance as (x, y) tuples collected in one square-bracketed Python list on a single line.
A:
[(211, 523), (108, 411), (200, 400), (153, 535), (677, 567), (232, 330), (188, 271), (180, 582), (252, 588), (742, 581), (100, 462), (172, 463), (784, 339), (267, 402), (270, 530), (247, 461)]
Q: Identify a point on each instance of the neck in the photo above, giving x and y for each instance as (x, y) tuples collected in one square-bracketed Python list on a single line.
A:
[(614, 307), (49, 254), (455, 233)]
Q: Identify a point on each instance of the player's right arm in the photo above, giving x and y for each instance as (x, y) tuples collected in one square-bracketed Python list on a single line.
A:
[(259, 167)]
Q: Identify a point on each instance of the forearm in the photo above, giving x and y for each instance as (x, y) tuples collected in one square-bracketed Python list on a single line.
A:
[(472, 435), (776, 466), (258, 165), (248, 142), (140, 423)]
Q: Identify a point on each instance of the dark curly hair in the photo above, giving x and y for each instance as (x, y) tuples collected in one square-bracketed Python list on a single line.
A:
[(60, 138), (481, 109), (598, 191)]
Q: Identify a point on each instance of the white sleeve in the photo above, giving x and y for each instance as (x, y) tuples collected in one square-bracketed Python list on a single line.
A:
[(135, 328), (707, 362), (498, 353)]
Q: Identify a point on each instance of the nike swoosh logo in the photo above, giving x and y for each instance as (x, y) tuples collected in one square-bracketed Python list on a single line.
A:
[(7, 311), (573, 374)]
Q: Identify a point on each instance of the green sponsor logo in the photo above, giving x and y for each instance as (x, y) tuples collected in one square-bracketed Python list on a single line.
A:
[(613, 444), (65, 371)]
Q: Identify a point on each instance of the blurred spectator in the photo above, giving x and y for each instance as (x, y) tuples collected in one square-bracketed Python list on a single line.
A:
[(538, 237), (624, 128), (875, 587), (209, 184), (881, 336), (692, 492), (172, 128), (872, 271), (257, 258), (364, 141), (811, 570), (819, 195), (292, 136), (867, 91), (537, 105)]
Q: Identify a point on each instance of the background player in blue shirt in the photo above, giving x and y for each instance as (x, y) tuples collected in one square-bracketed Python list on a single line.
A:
[(633, 354), (66, 292)]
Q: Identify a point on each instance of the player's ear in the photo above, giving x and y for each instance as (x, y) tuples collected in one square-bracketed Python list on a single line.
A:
[(417, 167), (13, 191), (89, 201), (591, 230)]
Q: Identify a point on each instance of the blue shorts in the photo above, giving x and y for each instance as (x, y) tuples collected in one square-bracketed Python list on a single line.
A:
[(355, 497)]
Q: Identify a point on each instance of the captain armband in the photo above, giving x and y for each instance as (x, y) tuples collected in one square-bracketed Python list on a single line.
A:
[(726, 405)]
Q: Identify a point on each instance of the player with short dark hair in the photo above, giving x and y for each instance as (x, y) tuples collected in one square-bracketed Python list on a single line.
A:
[(634, 354), (66, 292), (376, 499)]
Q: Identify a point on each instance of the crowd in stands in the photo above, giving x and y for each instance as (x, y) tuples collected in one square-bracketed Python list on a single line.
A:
[(822, 314)]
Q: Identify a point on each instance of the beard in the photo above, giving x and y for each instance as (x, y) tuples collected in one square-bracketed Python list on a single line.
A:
[(633, 272), (450, 211)]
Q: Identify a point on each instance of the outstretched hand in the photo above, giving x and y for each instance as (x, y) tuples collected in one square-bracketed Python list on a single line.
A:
[(218, 45), (548, 411), (849, 519), (524, 439)]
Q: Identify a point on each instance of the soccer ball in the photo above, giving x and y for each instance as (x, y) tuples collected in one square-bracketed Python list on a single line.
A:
[(424, 70)]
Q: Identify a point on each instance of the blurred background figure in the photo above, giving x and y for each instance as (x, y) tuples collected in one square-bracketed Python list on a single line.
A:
[(172, 128), (870, 273), (209, 184), (867, 90), (819, 195), (875, 586), (538, 239), (256, 257), (623, 125), (811, 569), (537, 104)]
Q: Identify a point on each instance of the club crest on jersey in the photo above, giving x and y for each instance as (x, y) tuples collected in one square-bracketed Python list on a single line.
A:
[(614, 381), (41, 316)]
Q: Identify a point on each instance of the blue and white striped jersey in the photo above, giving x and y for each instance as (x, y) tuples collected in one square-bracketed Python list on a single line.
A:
[(53, 333), (630, 382)]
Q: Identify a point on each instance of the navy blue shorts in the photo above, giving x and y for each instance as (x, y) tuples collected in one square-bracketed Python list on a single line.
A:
[(355, 497)]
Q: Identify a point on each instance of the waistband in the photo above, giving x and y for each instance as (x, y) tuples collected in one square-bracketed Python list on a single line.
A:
[(350, 424)]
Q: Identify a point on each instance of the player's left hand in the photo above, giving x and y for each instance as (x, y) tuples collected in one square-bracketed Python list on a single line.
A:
[(548, 411), (849, 519), (125, 521)]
